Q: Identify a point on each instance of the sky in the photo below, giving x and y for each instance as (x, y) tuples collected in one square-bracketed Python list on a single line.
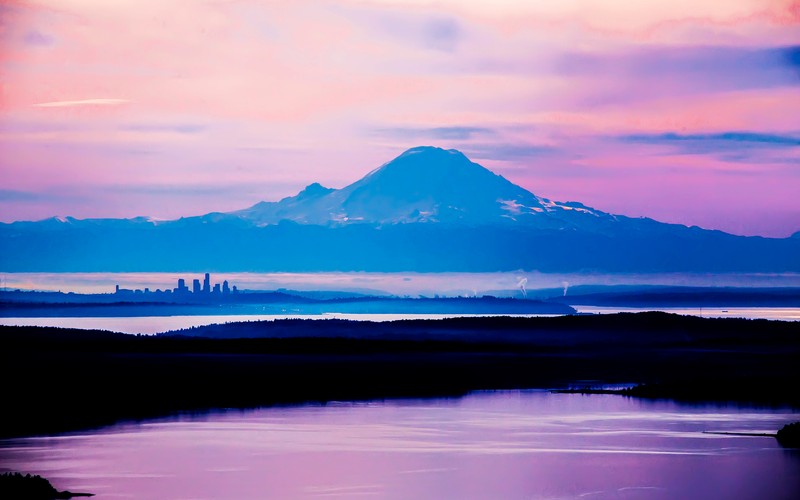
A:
[(681, 110)]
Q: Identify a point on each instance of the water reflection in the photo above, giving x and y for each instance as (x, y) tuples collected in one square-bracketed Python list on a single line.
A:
[(776, 313), (148, 325), (487, 445)]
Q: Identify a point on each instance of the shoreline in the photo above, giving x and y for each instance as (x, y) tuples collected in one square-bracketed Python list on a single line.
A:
[(306, 361)]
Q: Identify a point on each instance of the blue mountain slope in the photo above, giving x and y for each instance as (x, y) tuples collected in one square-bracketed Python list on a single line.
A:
[(426, 184), (427, 210)]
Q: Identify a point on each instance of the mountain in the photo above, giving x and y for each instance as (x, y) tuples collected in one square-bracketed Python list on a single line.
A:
[(427, 210), (424, 184)]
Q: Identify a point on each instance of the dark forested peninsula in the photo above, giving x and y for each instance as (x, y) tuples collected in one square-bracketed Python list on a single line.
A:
[(59, 380)]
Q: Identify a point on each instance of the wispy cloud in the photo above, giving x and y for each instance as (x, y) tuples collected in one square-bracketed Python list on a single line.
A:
[(751, 148), (639, 74), (18, 196), (37, 38), (508, 151), (439, 133), (701, 143), (791, 56), (430, 30), (178, 128), (82, 102), (770, 63), (188, 190)]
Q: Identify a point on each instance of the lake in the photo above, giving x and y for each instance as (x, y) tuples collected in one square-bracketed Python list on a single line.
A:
[(511, 444)]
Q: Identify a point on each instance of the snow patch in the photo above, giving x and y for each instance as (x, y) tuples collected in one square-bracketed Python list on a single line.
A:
[(511, 206), (552, 206), (343, 217)]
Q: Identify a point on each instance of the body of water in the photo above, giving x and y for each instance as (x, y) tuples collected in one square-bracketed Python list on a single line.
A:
[(776, 313), (148, 325), (507, 445)]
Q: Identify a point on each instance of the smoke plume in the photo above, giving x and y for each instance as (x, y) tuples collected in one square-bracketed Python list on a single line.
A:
[(521, 285)]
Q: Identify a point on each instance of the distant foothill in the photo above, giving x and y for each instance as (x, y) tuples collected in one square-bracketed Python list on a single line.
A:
[(182, 290)]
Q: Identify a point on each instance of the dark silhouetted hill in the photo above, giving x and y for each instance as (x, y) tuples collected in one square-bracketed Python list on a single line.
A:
[(91, 378)]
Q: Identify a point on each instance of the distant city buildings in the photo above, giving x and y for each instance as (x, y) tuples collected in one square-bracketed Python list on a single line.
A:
[(206, 290)]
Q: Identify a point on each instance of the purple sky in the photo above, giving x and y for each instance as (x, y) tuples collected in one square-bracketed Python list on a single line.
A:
[(684, 111)]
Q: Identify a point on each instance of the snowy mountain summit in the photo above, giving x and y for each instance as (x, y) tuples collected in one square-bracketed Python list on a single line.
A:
[(424, 184)]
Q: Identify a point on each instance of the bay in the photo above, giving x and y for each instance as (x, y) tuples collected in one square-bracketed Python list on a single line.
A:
[(148, 325), (511, 444), (773, 313)]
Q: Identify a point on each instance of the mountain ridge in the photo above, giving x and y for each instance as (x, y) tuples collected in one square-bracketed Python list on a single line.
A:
[(423, 184), (401, 191), (428, 210)]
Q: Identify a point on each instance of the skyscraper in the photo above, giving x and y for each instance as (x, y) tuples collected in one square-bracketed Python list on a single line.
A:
[(196, 286), (207, 284), (225, 288)]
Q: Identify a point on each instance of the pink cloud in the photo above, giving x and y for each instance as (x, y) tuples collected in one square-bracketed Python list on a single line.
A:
[(116, 103)]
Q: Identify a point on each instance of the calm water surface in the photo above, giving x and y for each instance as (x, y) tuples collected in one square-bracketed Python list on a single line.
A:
[(777, 313), (486, 445), (156, 324)]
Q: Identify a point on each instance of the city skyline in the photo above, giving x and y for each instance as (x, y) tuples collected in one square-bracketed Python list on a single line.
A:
[(681, 111), (206, 288)]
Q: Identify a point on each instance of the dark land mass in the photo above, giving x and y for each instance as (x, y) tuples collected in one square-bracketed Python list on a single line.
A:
[(789, 435), (14, 485), (59, 380), (20, 303), (679, 296), (56, 304)]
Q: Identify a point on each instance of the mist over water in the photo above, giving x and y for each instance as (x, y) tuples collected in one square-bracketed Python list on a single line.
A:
[(464, 284)]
